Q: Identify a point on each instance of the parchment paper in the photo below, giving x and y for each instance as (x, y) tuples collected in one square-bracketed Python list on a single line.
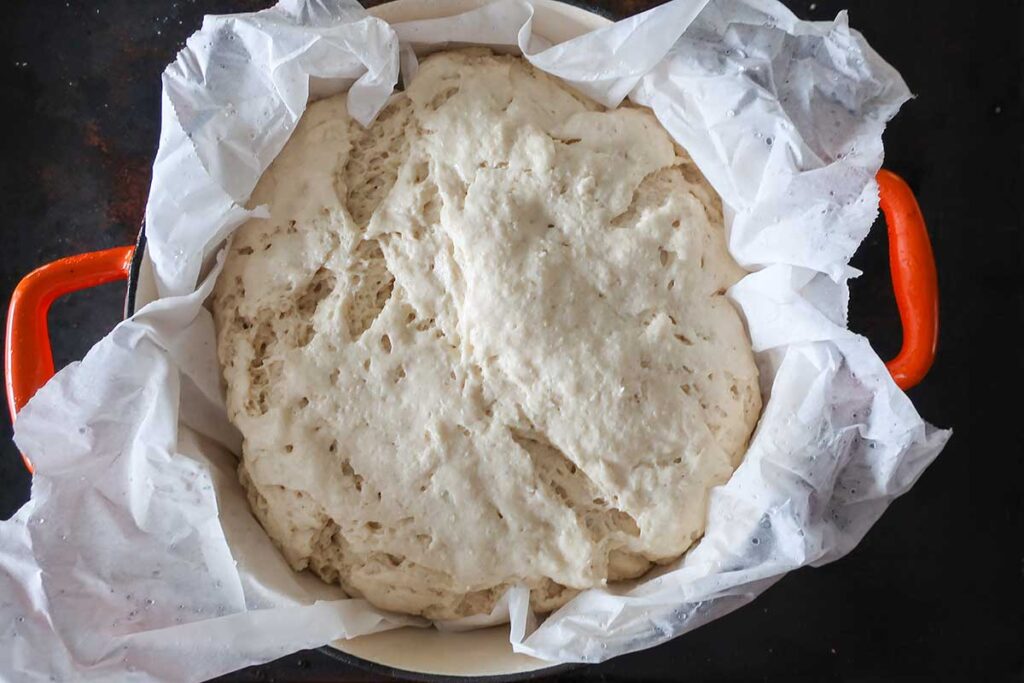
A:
[(137, 558)]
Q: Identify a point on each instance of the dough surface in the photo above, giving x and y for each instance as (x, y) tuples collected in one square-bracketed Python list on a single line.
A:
[(483, 342)]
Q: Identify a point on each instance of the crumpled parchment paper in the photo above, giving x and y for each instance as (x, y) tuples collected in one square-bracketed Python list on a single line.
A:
[(137, 558)]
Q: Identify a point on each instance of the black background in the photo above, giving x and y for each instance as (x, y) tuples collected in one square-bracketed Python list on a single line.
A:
[(934, 591)]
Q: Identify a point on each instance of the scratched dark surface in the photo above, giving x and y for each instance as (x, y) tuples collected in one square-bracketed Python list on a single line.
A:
[(934, 592)]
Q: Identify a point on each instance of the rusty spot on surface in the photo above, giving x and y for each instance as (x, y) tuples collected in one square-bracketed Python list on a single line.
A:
[(128, 177), (94, 139)]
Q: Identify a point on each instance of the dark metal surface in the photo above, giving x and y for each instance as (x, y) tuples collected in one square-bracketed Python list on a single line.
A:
[(383, 672), (934, 591)]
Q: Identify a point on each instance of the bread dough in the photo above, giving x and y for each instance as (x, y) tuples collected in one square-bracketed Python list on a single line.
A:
[(482, 343)]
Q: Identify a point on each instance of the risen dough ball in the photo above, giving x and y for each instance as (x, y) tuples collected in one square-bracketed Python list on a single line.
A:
[(483, 342)]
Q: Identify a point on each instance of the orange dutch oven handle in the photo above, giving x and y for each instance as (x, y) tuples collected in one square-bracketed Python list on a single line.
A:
[(914, 280), (29, 361)]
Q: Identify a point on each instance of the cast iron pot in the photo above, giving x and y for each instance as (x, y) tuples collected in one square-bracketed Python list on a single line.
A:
[(428, 654)]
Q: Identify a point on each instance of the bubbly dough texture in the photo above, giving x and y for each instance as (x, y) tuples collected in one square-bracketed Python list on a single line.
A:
[(483, 342)]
